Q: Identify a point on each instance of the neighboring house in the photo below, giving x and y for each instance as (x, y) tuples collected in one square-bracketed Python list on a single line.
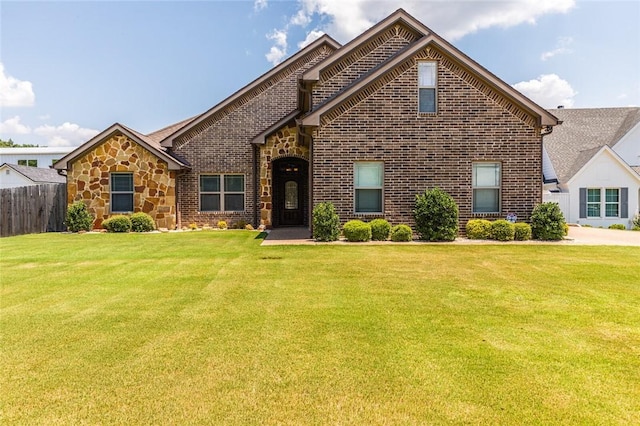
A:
[(12, 176), (367, 126), (44, 156), (595, 159)]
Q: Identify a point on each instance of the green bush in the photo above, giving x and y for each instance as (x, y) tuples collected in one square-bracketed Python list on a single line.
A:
[(618, 226), (380, 229), (547, 222), (356, 231), (436, 216), (222, 224), (142, 222), (522, 231), (326, 223), (635, 222), (401, 233), (241, 224), (478, 229), (117, 223), (502, 230), (78, 217)]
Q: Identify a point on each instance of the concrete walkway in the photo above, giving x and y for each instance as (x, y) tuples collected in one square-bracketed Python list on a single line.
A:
[(577, 236)]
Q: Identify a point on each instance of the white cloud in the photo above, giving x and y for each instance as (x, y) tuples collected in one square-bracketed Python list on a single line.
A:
[(311, 37), (13, 125), (67, 134), (14, 92), (548, 90), (258, 5), (562, 46), (452, 19), (279, 49)]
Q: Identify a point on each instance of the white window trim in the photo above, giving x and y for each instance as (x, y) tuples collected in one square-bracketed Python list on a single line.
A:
[(434, 87), (598, 203), (499, 187), (607, 203), (112, 192), (26, 162), (222, 193), (356, 188)]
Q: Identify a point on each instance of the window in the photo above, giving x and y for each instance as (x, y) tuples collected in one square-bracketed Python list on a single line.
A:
[(221, 193), (121, 192), (427, 72), (593, 202), (486, 187), (599, 203), (368, 182), (612, 202), (30, 163)]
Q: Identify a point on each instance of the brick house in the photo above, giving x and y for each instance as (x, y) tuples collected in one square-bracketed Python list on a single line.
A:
[(367, 126)]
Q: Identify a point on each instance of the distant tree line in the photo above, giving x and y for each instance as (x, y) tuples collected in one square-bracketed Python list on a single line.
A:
[(12, 144)]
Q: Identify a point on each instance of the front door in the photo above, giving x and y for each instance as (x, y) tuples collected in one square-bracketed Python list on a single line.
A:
[(289, 192)]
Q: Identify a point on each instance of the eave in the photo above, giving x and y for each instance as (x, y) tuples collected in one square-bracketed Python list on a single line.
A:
[(115, 129)]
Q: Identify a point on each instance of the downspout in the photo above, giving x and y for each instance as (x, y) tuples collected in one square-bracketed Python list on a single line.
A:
[(256, 184)]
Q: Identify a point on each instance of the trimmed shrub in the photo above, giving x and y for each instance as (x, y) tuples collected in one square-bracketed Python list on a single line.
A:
[(380, 229), (618, 226), (401, 233), (502, 230), (241, 224), (547, 222), (356, 231), (222, 224), (142, 222), (436, 216), (326, 223), (522, 231), (117, 223), (635, 222), (78, 217), (478, 229)]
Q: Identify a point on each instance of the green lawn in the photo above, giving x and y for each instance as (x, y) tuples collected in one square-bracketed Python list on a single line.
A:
[(212, 328)]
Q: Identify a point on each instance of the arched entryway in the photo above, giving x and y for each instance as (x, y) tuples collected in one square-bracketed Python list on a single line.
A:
[(290, 192)]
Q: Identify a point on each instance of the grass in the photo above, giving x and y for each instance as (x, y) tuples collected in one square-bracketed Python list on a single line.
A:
[(211, 328)]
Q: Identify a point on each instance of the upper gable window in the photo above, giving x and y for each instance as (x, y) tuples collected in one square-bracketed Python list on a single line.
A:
[(427, 76)]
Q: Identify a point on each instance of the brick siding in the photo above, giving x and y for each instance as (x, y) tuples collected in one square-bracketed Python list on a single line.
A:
[(422, 151), (223, 144)]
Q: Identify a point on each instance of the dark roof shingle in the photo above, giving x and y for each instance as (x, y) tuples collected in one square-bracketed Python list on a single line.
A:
[(584, 131)]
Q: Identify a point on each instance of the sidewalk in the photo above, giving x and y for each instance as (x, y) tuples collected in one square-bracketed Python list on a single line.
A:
[(577, 236)]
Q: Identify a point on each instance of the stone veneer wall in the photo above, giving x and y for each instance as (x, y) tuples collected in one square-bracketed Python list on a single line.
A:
[(154, 184), (284, 143)]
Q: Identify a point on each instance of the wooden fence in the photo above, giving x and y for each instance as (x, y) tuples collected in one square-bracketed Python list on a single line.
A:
[(33, 209)]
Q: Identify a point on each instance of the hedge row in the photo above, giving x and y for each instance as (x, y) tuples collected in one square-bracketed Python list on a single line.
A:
[(500, 230)]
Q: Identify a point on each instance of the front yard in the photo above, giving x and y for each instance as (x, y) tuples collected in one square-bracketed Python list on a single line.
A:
[(212, 328)]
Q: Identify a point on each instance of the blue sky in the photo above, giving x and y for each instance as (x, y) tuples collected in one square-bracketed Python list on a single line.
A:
[(71, 69)]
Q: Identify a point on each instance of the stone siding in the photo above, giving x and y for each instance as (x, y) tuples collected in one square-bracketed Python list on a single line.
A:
[(422, 151), (154, 184), (283, 143)]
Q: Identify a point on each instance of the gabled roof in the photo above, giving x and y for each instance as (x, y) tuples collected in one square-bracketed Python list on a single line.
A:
[(260, 139), (203, 118), (399, 17), (37, 174), (545, 118), (145, 141), (594, 153), (583, 133)]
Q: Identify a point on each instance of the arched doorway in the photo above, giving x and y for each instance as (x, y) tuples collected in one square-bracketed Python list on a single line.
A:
[(290, 192)]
